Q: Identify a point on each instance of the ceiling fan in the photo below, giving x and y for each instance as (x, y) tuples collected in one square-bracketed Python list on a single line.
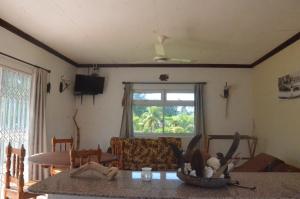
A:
[(160, 54)]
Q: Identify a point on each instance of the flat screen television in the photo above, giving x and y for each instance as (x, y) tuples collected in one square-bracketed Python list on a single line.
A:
[(89, 85)]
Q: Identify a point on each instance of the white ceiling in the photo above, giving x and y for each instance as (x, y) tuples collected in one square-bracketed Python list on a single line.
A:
[(121, 31)]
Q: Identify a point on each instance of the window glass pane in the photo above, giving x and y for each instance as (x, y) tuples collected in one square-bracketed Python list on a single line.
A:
[(146, 96), (180, 96), (147, 119), (179, 119)]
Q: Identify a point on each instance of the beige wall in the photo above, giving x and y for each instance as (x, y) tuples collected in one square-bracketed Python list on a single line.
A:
[(276, 120), (60, 106), (101, 121)]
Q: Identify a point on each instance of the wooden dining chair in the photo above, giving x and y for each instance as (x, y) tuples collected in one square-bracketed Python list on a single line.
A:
[(64, 144), (80, 157), (60, 145), (14, 180)]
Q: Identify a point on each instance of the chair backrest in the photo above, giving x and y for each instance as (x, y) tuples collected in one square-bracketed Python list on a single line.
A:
[(117, 149), (80, 157), (64, 144), (14, 167)]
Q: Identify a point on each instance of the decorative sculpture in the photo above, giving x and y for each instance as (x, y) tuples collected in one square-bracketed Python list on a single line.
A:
[(195, 169), (64, 84), (225, 96), (77, 131)]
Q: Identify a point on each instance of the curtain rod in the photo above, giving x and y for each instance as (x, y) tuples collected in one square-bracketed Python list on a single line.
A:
[(25, 62), (163, 82)]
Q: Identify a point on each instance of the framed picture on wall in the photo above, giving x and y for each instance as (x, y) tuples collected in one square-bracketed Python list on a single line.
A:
[(289, 86)]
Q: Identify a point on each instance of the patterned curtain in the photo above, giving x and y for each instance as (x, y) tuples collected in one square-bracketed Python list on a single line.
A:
[(126, 124), (199, 113), (14, 113), (38, 122)]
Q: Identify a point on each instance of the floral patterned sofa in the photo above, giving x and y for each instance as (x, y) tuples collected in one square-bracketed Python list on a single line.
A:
[(135, 153)]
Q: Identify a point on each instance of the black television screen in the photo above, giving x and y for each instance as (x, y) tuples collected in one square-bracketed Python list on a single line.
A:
[(88, 85)]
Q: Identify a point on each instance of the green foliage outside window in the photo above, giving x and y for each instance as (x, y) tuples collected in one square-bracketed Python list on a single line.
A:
[(169, 119)]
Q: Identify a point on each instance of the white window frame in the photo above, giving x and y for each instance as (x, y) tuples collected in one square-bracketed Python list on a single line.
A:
[(163, 103)]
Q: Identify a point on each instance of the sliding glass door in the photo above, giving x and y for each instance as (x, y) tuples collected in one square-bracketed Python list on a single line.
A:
[(15, 92)]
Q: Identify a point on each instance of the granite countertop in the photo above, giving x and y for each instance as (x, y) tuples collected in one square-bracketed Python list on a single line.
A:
[(165, 185)]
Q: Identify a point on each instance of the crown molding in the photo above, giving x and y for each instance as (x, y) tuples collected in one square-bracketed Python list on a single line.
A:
[(277, 49), (161, 65)]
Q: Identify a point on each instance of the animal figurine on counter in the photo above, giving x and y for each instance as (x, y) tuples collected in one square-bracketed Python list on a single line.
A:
[(208, 172), (214, 163)]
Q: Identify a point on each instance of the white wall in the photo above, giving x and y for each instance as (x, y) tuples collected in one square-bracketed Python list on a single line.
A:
[(101, 121), (276, 120), (60, 106)]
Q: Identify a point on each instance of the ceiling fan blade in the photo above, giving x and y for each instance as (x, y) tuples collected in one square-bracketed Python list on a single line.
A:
[(160, 54), (160, 59), (180, 60), (141, 62)]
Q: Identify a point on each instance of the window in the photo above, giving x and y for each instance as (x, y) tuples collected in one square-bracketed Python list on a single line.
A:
[(163, 112), (14, 113)]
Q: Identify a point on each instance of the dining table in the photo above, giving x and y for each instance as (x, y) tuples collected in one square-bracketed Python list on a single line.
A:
[(62, 159)]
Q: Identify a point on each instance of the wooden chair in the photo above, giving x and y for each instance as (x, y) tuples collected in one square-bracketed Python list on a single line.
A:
[(14, 182), (81, 157), (64, 145)]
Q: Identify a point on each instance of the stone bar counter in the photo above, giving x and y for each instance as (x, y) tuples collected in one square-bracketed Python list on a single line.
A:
[(167, 186)]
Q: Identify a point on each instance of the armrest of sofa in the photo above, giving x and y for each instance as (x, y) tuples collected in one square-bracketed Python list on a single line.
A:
[(266, 163)]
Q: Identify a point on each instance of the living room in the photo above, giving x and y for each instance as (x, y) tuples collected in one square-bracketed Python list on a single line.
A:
[(222, 46)]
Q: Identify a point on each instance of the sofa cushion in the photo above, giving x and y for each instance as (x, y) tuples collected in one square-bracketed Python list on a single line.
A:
[(144, 151), (165, 154), (285, 168), (136, 153), (166, 166)]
